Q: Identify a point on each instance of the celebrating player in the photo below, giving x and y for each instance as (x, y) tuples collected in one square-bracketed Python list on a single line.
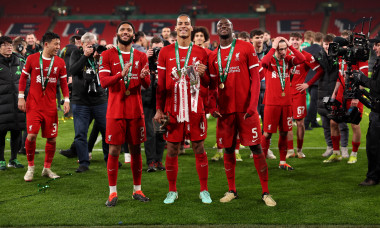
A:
[(44, 69), (234, 68), (123, 71), (297, 75), (278, 109), (179, 101)]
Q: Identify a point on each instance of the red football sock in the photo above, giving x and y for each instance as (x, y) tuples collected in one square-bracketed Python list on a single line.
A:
[(299, 143), (30, 148), (290, 145), (265, 145), (262, 170), (171, 164), (136, 167), (282, 146), (335, 141), (201, 164), (49, 153), (112, 169), (229, 167), (237, 146), (355, 146)]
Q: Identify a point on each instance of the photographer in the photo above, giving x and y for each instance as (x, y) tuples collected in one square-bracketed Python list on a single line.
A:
[(326, 86), (373, 134), (155, 143), (89, 100)]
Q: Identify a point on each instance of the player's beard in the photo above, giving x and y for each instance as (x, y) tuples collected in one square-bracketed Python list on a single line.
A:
[(225, 37), (126, 43)]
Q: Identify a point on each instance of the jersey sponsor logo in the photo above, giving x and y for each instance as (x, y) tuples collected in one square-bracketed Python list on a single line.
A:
[(235, 69), (237, 56)]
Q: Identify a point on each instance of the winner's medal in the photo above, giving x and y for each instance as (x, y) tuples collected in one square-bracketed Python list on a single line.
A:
[(127, 78), (223, 75), (283, 94)]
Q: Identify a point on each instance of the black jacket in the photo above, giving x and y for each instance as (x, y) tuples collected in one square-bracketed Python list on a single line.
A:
[(11, 118), (30, 50), (79, 69), (328, 80), (66, 54), (314, 49), (373, 83)]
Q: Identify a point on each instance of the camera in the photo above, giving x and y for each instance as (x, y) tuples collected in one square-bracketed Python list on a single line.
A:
[(339, 114), (92, 81), (353, 50), (98, 48), (153, 60)]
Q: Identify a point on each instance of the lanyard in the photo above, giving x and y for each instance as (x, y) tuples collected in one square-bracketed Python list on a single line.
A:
[(92, 64), (342, 67), (223, 75), (178, 59), (44, 82), (281, 76), (126, 79)]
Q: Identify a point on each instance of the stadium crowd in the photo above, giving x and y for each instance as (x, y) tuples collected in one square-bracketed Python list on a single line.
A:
[(161, 91)]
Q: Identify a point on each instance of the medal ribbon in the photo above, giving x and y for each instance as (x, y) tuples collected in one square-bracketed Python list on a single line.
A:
[(127, 78), (45, 82), (223, 75), (177, 59), (282, 77)]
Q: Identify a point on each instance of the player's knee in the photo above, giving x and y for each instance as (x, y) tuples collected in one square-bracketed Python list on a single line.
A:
[(256, 149), (51, 140), (198, 147), (114, 150), (32, 137)]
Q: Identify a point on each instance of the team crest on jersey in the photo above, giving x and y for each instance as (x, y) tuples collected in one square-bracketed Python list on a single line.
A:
[(30, 127), (269, 126), (274, 74), (194, 60), (137, 64), (55, 70), (237, 56), (109, 137), (220, 140)]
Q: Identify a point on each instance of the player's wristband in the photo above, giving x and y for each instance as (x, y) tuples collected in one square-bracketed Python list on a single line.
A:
[(21, 95), (67, 100)]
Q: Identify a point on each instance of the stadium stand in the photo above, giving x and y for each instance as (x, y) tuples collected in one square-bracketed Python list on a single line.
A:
[(283, 24), (20, 26), (295, 5), (342, 20), (25, 7), (93, 7)]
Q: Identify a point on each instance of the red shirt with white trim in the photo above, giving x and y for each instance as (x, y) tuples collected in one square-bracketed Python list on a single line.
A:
[(37, 100), (273, 91), (120, 105), (242, 86), (167, 92), (300, 71)]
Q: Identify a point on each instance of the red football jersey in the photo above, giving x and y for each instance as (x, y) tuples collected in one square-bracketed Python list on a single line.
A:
[(242, 86), (300, 71), (273, 91), (120, 105), (168, 94), (37, 100)]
